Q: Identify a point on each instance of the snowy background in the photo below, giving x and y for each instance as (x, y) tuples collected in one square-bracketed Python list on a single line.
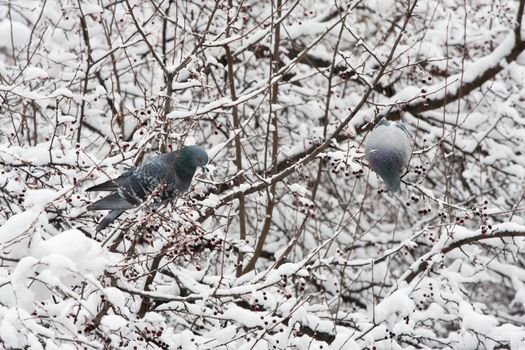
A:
[(288, 241)]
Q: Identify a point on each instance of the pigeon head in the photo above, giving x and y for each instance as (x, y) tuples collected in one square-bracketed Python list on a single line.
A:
[(192, 157)]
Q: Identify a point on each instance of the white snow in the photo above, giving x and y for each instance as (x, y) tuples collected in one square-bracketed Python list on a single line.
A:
[(88, 256), (92, 8), (31, 73), (14, 34), (397, 302), (39, 198), (17, 225), (437, 265), (112, 323)]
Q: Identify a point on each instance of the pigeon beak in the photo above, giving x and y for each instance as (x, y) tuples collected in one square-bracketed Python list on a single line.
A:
[(205, 169)]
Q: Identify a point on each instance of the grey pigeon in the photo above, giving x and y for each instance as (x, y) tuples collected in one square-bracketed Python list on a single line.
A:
[(163, 176), (388, 149)]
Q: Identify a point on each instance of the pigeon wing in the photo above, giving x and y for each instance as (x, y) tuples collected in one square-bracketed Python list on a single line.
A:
[(113, 201), (108, 219), (160, 175)]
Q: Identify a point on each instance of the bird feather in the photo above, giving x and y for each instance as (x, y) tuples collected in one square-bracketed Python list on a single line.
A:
[(388, 149), (112, 201), (163, 177)]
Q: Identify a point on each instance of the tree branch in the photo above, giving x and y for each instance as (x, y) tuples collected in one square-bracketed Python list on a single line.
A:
[(460, 243)]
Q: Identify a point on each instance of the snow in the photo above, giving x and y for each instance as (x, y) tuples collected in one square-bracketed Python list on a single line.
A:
[(86, 254), (185, 114), (116, 297), (8, 332), (242, 316), (397, 302), (212, 201), (19, 282), (66, 119), (31, 73), (60, 56), (21, 92), (299, 189), (382, 6), (225, 335), (92, 8), (344, 341), (112, 323), (14, 33), (475, 320), (186, 85), (39, 198), (339, 263), (17, 225)]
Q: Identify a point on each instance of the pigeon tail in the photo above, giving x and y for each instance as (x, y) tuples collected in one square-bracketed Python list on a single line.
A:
[(393, 183), (111, 202), (388, 170), (108, 219), (110, 185)]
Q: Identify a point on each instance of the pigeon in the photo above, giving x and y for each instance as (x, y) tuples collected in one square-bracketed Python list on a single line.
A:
[(388, 149), (163, 177)]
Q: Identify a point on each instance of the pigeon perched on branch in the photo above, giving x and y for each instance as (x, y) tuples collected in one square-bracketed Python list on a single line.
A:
[(388, 149), (163, 177)]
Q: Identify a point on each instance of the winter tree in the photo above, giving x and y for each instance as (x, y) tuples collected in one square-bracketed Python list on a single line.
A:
[(287, 240)]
